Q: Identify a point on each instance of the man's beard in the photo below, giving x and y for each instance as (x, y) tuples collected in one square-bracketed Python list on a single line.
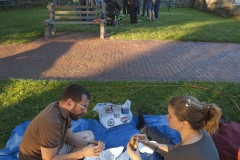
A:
[(75, 116)]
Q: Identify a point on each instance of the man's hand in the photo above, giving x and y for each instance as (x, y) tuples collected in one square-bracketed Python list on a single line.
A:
[(92, 150)]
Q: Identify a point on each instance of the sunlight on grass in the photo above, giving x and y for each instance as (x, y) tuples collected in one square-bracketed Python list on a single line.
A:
[(181, 24), (20, 38), (194, 26), (187, 31)]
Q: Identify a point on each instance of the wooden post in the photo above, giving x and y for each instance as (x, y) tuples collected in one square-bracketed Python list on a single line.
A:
[(51, 16), (50, 8), (103, 21), (103, 6), (47, 29), (102, 28)]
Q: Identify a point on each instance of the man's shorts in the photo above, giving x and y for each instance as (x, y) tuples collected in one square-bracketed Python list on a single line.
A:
[(66, 148)]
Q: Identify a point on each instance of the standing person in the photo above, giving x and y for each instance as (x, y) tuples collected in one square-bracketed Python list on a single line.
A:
[(138, 12), (133, 9), (144, 7), (50, 136), (195, 121), (156, 8), (150, 6), (83, 3), (117, 6), (77, 3), (125, 8), (99, 2), (92, 3)]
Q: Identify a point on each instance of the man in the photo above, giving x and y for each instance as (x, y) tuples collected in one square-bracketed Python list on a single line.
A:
[(77, 3), (133, 7), (125, 7), (144, 7), (117, 5), (49, 136), (156, 8), (83, 3)]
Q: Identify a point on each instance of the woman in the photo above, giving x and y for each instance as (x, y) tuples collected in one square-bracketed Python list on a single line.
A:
[(150, 6), (196, 122)]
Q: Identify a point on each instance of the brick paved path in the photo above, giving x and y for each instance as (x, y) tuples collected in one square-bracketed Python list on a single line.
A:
[(83, 56)]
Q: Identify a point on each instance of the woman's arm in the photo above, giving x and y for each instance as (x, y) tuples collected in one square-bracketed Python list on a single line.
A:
[(135, 155), (157, 146), (163, 149)]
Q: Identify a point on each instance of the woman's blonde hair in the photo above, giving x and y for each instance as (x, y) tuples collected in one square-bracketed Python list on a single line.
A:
[(200, 115)]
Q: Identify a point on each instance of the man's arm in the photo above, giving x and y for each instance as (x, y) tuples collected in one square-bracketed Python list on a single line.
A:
[(78, 140)]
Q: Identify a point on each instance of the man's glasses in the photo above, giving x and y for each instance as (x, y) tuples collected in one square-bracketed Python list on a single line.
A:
[(81, 106)]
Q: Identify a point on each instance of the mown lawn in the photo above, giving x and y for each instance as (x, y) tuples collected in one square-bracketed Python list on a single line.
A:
[(181, 24)]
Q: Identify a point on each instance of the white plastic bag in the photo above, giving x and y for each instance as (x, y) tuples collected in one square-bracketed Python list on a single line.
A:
[(109, 154), (111, 115), (144, 149)]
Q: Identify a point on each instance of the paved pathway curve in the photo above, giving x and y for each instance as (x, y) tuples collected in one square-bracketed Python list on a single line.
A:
[(83, 56)]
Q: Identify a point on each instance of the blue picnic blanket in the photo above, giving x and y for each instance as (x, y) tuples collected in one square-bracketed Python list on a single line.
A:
[(113, 137)]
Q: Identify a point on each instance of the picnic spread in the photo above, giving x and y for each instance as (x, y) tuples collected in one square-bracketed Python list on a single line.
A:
[(114, 138)]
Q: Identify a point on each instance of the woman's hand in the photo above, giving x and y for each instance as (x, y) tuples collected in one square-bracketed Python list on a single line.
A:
[(135, 155), (142, 138)]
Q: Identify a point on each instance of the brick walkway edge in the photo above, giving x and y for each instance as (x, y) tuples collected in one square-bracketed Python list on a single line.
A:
[(83, 56)]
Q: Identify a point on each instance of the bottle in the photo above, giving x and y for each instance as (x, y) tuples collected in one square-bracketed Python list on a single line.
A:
[(133, 143)]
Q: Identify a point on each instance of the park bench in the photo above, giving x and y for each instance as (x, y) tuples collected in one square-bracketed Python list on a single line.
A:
[(69, 15), (6, 3), (168, 3)]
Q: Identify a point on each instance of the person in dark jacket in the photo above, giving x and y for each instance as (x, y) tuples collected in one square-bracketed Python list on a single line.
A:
[(117, 5), (125, 7), (156, 8), (144, 7), (133, 9)]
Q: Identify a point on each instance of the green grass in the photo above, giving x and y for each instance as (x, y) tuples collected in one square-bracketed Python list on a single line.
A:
[(181, 24), (22, 100)]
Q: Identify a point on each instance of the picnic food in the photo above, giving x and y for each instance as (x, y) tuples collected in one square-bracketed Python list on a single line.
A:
[(98, 143), (133, 143)]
